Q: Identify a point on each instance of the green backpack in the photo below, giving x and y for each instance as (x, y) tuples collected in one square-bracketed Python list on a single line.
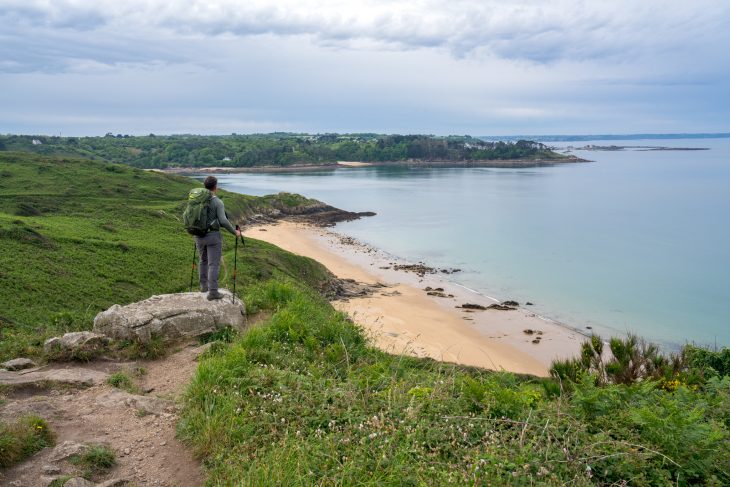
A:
[(195, 216)]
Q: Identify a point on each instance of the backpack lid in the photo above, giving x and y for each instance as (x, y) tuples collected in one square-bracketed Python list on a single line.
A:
[(200, 194)]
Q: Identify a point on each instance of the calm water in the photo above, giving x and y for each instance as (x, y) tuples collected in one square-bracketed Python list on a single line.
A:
[(635, 241)]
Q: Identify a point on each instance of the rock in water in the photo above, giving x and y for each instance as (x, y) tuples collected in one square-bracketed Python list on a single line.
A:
[(18, 364), (171, 317)]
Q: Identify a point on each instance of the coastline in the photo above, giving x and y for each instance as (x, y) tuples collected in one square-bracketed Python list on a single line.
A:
[(505, 163), (402, 318)]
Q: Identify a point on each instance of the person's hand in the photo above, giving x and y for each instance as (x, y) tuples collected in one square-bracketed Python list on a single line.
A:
[(238, 232)]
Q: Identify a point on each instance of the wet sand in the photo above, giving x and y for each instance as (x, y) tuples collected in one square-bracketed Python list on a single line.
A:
[(403, 319)]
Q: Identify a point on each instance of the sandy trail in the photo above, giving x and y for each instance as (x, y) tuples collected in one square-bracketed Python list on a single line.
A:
[(404, 319), (139, 428)]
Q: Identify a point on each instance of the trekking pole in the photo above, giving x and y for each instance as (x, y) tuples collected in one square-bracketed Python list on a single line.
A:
[(192, 271), (235, 266)]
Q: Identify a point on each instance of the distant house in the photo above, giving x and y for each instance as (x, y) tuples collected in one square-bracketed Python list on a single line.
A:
[(226, 159), (36, 142)]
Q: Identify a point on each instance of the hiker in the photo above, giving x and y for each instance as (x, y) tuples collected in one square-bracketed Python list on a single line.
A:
[(210, 245)]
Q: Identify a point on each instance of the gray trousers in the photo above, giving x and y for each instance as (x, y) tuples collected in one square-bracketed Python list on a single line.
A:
[(209, 250)]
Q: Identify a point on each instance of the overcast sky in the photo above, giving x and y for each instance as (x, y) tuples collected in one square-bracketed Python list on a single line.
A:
[(423, 66)]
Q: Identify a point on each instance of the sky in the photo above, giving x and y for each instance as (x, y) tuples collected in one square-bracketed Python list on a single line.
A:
[(74, 67)]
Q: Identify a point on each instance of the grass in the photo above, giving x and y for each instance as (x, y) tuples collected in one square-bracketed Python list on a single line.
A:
[(79, 235), (60, 481), (225, 335), (94, 461), (122, 380), (22, 438), (304, 400)]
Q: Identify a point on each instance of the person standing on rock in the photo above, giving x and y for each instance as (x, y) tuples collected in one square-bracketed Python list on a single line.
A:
[(210, 246)]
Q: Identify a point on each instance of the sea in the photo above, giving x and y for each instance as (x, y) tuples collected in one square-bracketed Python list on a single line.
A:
[(636, 241)]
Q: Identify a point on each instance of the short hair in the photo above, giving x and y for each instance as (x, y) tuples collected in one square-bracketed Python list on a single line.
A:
[(210, 183)]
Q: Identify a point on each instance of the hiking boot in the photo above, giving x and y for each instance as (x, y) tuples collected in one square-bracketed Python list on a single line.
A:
[(214, 294), (204, 289)]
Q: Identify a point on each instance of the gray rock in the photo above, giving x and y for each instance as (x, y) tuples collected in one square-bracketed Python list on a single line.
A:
[(67, 449), (77, 377), (116, 398), (18, 364), (51, 470), (171, 317), (76, 345), (78, 482)]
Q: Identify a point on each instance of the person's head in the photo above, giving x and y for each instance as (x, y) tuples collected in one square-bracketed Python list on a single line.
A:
[(211, 183)]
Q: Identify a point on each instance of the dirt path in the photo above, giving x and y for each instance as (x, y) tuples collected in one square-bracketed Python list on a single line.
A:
[(139, 428)]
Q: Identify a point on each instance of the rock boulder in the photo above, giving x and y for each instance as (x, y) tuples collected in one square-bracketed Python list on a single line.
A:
[(18, 364), (171, 317), (72, 376), (75, 345)]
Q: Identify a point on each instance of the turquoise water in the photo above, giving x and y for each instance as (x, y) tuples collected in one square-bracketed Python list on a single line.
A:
[(635, 241)]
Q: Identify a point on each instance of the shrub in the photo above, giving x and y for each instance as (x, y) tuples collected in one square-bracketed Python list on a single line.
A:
[(632, 360), (714, 363)]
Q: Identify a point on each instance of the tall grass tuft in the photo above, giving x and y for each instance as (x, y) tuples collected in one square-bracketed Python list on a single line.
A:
[(22, 438)]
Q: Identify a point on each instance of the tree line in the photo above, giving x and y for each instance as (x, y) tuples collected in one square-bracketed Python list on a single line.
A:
[(275, 149)]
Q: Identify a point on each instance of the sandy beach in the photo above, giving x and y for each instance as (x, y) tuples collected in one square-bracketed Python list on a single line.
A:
[(402, 318)]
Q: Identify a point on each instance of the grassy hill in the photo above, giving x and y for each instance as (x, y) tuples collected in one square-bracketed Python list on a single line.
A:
[(78, 236), (303, 399)]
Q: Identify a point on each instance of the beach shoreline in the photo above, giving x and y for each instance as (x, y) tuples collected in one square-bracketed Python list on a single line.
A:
[(402, 318), (354, 165)]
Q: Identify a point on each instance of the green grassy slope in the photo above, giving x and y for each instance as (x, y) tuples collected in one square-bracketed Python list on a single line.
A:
[(305, 401), (77, 236)]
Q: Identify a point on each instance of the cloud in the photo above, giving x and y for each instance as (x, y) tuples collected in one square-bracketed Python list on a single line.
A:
[(458, 66), (523, 30)]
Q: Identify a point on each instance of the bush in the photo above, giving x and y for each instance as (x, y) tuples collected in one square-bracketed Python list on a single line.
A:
[(714, 363), (633, 360)]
